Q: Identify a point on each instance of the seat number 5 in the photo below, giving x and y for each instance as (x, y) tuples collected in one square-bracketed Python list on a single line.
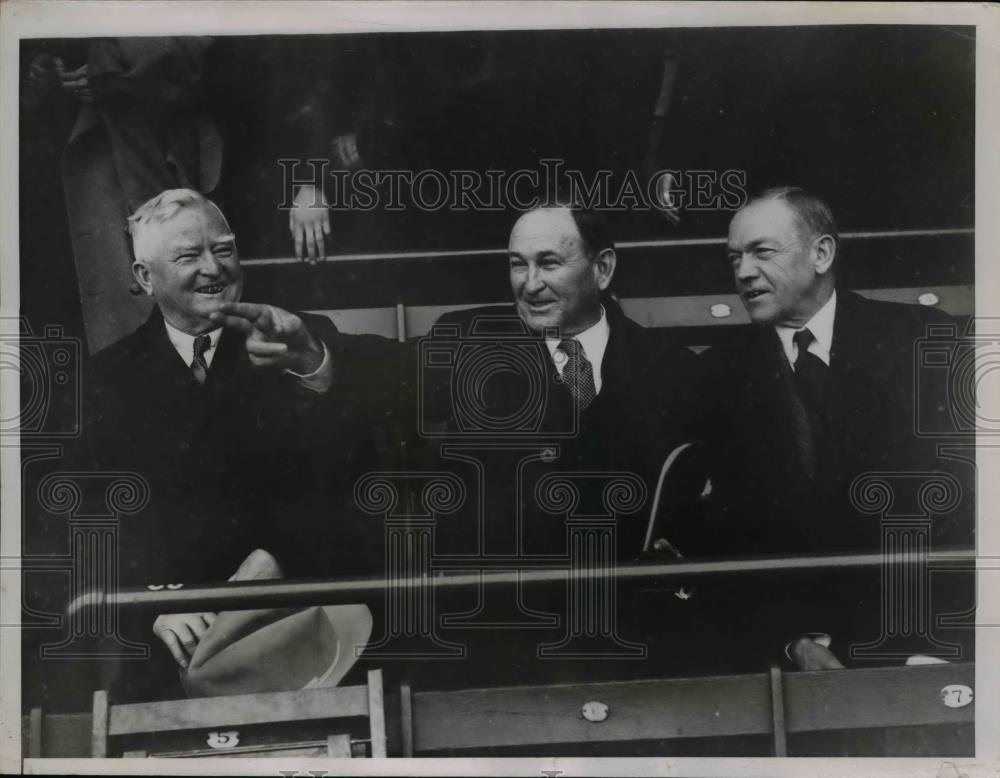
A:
[(227, 739)]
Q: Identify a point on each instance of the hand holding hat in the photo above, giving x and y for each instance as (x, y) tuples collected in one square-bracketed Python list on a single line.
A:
[(246, 652)]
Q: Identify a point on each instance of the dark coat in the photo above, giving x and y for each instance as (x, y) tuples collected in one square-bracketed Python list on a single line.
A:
[(220, 461), (765, 505), (365, 423), (870, 421), (504, 420), (640, 415)]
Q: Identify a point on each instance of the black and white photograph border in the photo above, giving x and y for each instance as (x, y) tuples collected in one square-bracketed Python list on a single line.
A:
[(60, 352)]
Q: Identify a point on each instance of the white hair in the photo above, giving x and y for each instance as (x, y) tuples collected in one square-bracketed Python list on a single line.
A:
[(160, 209)]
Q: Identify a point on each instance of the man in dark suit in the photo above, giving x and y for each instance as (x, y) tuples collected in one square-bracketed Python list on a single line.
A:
[(819, 392), (558, 411), (585, 378), (211, 402)]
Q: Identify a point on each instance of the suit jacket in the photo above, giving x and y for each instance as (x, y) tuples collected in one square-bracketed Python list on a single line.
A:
[(365, 423), (869, 425), (219, 461), (639, 416), (766, 505), (488, 427)]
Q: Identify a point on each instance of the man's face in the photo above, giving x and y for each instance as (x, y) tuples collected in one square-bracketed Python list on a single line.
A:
[(774, 267), (555, 284), (192, 268)]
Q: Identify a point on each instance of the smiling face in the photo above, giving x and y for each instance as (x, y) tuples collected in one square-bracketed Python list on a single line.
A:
[(189, 266), (555, 283), (782, 276)]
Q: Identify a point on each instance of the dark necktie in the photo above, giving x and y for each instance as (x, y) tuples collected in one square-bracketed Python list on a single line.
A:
[(578, 373), (199, 366), (810, 389), (810, 372)]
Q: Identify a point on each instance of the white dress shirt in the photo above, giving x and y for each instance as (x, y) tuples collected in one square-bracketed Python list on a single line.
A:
[(318, 381), (594, 341), (184, 343), (820, 325)]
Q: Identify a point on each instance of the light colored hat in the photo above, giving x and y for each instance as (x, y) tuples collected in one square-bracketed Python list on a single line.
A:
[(247, 652)]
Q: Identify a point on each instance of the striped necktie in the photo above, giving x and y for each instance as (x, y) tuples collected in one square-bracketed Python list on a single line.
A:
[(199, 367), (578, 373)]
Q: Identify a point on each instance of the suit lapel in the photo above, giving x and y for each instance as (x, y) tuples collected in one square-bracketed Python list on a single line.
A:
[(767, 382), (170, 385), (621, 371), (852, 411), (231, 361), (771, 412), (163, 365)]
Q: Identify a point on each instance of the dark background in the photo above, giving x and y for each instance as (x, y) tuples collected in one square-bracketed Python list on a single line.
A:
[(879, 119)]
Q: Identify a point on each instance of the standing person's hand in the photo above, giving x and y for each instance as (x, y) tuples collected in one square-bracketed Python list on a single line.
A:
[(47, 70), (76, 83), (309, 223)]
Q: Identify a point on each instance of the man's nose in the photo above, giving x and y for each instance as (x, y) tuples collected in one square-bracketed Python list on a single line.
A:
[(534, 282), (208, 265), (746, 268)]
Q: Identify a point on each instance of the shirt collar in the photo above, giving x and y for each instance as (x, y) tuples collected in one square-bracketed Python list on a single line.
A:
[(594, 341), (820, 325), (184, 343)]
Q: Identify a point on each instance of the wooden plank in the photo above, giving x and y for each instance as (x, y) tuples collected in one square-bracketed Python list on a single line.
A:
[(99, 725), (66, 735), (35, 733), (957, 300), (238, 710), (719, 706), (339, 746), (778, 712), (376, 714), (652, 271), (680, 311), (302, 750), (297, 752), (621, 246), (406, 718), (875, 697), (637, 710)]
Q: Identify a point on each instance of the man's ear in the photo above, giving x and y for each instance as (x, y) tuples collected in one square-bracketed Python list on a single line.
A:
[(141, 273), (825, 248), (604, 268)]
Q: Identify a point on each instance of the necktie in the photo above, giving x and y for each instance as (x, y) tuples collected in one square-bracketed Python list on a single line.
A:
[(810, 372), (578, 373), (199, 366), (810, 386)]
